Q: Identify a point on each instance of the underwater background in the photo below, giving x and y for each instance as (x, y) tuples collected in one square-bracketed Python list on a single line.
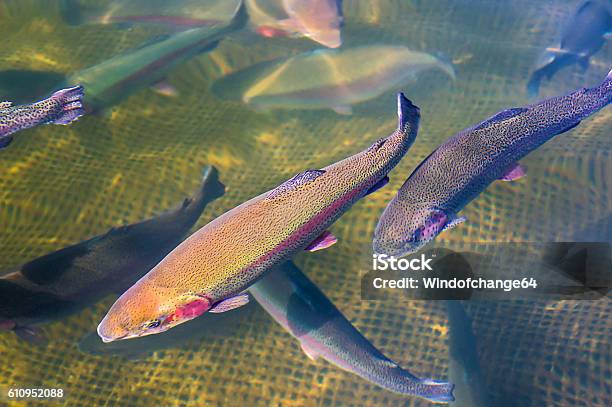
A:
[(144, 155)]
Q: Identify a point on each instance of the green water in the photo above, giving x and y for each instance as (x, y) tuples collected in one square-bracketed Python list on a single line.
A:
[(61, 185)]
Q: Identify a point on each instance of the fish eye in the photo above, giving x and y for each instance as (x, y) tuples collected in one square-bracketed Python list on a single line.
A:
[(154, 324)]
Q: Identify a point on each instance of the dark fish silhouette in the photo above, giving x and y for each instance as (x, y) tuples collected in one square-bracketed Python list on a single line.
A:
[(582, 37), (65, 281)]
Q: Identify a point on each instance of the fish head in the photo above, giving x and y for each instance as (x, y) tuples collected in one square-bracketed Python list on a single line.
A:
[(401, 232), (144, 310)]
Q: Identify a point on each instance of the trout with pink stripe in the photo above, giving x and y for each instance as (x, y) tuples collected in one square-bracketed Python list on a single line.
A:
[(210, 270)]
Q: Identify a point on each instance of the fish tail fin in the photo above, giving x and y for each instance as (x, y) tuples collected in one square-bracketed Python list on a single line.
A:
[(555, 61), (71, 103), (212, 188), (446, 64), (436, 391), (408, 114)]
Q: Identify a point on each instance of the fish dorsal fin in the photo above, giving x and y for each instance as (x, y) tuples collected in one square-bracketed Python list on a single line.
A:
[(48, 268), (501, 116), (303, 178), (4, 105)]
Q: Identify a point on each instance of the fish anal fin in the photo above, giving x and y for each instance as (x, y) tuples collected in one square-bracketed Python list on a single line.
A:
[(231, 303), (516, 171), (325, 240), (310, 352), (164, 88)]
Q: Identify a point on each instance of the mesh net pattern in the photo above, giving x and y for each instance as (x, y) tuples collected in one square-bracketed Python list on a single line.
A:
[(60, 185)]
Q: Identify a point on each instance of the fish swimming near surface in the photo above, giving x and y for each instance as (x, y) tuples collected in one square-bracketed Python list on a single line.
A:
[(182, 14), (307, 314), (60, 283), (461, 168), (113, 80), (319, 20), (62, 107), (583, 36), (210, 270), (328, 79)]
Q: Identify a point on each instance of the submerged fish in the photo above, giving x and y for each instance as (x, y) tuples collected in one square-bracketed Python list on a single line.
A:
[(111, 81), (63, 107), (461, 168), (464, 365), (330, 79), (307, 314), (209, 270), (175, 13), (69, 279), (319, 20), (582, 37)]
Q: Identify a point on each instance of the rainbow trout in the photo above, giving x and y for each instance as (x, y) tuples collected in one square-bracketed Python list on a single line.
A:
[(63, 107), (66, 281), (461, 168), (307, 314), (209, 271)]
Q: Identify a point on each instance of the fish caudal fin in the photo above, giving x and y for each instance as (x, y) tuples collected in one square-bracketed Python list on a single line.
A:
[(212, 188), (407, 113), (437, 391), (71, 102)]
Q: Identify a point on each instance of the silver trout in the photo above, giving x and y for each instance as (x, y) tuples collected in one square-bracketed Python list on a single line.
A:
[(308, 315)]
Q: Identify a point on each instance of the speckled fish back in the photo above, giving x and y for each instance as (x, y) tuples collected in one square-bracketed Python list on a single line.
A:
[(231, 252), (458, 170)]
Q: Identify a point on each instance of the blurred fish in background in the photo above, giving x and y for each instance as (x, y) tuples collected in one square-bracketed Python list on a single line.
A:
[(328, 79), (584, 34), (319, 20), (175, 14), (63, 282), (113, 80)]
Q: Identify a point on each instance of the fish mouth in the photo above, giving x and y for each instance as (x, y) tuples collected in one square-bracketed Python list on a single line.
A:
[(107, 339)]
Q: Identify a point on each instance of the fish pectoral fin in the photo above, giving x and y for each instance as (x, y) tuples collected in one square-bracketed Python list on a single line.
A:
[(343, 110), (300, 179), (4, 105), (5, 141), (608, 36), (32, 335), (229, 304), (384, 181), (516, 171), (310, 352), (164, 88), (325, 240), (454, 222)]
